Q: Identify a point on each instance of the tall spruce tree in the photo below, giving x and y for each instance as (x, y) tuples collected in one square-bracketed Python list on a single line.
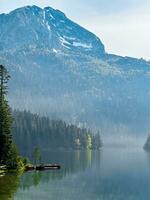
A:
[(6, 144)]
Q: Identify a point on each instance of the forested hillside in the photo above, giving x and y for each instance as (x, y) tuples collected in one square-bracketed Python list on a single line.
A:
[(31, 130)]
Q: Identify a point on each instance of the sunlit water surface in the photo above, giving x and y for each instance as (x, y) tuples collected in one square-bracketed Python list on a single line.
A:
[(111, 174)]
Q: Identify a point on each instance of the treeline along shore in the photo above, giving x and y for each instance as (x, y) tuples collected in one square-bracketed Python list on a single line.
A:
[(31, 130)]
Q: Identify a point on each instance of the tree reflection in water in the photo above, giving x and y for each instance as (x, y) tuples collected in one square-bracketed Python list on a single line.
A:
[(8, 186), (71, 162)]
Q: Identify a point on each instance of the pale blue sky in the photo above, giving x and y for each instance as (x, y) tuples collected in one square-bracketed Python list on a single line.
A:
[(122, 25)]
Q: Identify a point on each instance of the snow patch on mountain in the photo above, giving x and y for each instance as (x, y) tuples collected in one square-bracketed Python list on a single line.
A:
[(48, 26), (79, 44), (44, 16), (69, 38), (55, 51), (64, 42)]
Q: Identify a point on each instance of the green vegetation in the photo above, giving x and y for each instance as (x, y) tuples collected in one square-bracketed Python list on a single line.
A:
[(9, 185), (31, 130), (9, 157)]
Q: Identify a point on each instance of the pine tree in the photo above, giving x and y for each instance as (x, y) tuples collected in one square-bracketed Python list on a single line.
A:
[(6, 144)]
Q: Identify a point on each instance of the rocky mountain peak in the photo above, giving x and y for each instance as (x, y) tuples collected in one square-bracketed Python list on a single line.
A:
[(34, 27)]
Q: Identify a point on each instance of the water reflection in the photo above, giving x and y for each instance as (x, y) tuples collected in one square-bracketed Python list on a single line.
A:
[(8, 186), (71, 162), (148, 156), (113, 174)]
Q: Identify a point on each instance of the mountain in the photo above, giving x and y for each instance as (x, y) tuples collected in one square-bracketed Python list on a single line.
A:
[(33, 27), (60, 69)]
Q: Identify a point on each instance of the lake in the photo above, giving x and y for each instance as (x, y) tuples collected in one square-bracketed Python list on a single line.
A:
[(109, 174)]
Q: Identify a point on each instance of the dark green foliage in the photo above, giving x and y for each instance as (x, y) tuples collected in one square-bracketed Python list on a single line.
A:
[(8, 152), (9, 185), (97, 143), (31, 130)]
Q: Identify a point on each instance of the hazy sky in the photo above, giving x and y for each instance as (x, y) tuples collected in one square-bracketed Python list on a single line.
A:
[(122, 25)]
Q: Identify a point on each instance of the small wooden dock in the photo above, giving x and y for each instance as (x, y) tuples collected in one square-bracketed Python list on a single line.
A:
[(43, 167)]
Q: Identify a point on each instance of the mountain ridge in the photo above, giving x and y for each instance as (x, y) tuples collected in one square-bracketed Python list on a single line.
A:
[(64, 71)]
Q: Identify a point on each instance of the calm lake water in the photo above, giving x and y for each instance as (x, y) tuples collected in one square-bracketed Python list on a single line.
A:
[(112, 174)]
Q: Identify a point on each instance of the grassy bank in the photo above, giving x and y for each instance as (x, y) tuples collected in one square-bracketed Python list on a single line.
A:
[(4, 170)]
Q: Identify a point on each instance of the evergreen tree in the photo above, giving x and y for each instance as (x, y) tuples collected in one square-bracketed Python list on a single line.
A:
[(6, 144)]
